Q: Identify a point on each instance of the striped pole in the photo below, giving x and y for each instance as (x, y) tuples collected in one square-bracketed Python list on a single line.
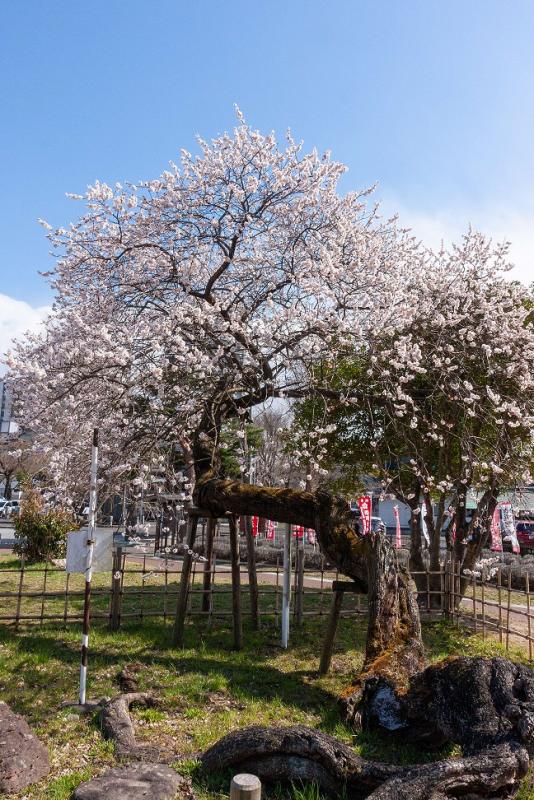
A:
[(286, 587), (89, 568)]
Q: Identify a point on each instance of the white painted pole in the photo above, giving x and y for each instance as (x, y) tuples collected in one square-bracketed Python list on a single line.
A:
[(286, 587), (91, 524)]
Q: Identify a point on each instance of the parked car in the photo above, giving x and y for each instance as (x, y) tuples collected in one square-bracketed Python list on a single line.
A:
[(525, 535), (9, 507)]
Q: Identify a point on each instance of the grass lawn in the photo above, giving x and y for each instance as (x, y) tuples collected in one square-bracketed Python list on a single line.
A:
[(204, 690)]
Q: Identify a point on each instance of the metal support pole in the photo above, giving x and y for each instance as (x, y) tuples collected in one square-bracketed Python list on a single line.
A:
[(89, 568), (286, 587)]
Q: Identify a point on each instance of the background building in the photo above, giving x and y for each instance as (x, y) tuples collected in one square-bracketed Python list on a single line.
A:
[(7, 423)]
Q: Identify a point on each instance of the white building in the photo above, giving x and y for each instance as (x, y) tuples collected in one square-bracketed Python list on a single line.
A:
[(7, 423)]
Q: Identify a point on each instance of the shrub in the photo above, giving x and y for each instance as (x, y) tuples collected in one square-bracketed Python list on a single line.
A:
[(41, 533)]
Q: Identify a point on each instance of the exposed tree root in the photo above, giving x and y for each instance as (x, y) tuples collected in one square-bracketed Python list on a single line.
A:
[(301, 754), (117, 725)]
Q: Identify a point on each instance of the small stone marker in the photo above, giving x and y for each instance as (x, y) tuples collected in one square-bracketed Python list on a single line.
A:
[(135, 782), (245, 787), (23, 758)]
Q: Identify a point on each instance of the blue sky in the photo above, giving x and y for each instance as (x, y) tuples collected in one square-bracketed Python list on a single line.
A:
[(433, 99)]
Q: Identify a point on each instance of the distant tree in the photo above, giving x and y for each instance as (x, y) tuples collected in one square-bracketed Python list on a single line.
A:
[(18, 461)]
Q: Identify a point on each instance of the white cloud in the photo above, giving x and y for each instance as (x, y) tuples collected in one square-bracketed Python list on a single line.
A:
[(17, 317), (446, 227)]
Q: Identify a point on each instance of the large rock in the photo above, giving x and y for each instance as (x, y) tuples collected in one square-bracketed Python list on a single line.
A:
[(135, 782), (23, 758)]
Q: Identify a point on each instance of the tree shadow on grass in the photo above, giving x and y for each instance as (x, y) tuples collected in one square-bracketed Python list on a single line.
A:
[(45, 667)]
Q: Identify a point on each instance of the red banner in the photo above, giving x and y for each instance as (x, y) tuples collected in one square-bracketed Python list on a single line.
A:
[(298, 531), (365, 505), (269, 529), (398, 540), (255, 521)]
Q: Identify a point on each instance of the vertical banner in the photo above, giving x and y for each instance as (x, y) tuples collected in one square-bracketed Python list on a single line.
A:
[(508, 523), (298, 531), (255, 521), (365, 506), (496, 538), (311, 538), (398, 540), (269, 530)]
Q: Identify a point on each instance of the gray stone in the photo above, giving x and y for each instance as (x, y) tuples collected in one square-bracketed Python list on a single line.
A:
[(135, 782), (23, 758)]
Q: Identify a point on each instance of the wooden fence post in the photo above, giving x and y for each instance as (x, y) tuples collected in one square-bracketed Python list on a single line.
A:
[(19, 598), (183, 591)]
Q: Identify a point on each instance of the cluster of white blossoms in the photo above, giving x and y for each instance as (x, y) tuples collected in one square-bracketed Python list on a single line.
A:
[(457, 377), (225, 282)]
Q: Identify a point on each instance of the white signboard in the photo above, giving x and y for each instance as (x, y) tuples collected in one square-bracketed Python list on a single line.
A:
[(102, 553)]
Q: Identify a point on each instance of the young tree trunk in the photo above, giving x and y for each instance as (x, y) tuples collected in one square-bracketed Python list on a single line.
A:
[(8, 485)]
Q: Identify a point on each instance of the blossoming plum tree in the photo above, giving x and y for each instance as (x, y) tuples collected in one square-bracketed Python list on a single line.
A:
[(185, 301)]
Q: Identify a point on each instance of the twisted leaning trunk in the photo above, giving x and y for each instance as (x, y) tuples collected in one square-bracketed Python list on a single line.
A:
[(484, 706)]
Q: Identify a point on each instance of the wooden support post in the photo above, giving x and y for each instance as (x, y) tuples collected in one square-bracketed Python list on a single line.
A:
[(44, 592), (328, 646), (116, 593), (299, 569), (183, 591), (252, 574), (236, 582), (208, 566)]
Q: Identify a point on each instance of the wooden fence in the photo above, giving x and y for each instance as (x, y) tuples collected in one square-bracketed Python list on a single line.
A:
[(142, 587)]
